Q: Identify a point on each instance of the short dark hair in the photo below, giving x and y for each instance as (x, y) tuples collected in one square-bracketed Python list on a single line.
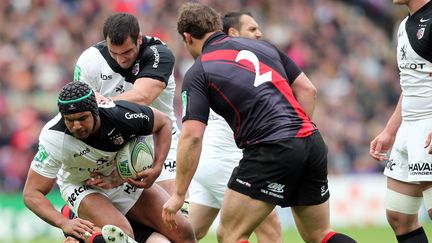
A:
[(198, 19), (232, 19), (77, 97), (120, 26)]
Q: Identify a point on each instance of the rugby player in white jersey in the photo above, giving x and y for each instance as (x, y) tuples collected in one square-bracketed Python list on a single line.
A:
[(220, 155), (83, 140), (130, 66), (409, 167)]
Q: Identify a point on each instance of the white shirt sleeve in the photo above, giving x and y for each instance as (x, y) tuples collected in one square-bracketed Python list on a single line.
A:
[(87, 68)]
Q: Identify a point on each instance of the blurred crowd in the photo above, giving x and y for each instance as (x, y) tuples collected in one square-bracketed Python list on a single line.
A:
[(341, 45)]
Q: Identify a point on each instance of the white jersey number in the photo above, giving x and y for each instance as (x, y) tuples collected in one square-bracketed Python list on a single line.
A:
[(251, 57)]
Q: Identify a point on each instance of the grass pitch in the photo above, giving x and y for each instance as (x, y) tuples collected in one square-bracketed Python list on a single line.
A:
[(362, 235)]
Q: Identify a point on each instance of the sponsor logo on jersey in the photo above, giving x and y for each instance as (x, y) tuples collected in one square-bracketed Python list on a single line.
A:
[(105, 77), (101, 164), (156, 56), (81, 153), (120, 89), (75, 194), (420, 168), (420, 33), (136, 69), (127, 188), (170, 166), (129, 116), (423, 20), (411, 65), (403, 52), (41, 155)]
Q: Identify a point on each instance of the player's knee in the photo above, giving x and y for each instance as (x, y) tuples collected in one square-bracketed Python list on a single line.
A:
[(402, 223), (402, 211), (269, 231), (186, 232), (220, 233), (200, 232)]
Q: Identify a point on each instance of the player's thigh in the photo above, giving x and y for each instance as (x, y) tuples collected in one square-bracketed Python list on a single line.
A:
[(270, 229), (156, 237), (167, 185), (410, 189), (146, 208), (148, 211), (99, 209), (313, 222), (240, 214), (201, 218)]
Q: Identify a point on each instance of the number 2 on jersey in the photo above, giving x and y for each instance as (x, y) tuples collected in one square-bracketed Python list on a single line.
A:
[(251, 57)]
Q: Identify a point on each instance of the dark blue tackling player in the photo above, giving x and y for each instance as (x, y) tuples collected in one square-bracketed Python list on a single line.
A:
[(266, 101), (84, 139)]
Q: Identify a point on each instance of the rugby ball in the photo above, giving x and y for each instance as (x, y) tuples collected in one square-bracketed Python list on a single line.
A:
[(135, 156)]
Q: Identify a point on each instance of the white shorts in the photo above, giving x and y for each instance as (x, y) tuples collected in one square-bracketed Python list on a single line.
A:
[(409, 161), (122, 197), (218, 158), (169, 168)]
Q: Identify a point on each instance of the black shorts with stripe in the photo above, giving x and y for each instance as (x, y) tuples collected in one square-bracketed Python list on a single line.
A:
[(287, 173)]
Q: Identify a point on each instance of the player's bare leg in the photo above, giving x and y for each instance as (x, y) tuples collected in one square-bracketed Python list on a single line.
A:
[(402, 223), (313, 224), (201, 218), (240, 215), (270, 229), (167, 185)]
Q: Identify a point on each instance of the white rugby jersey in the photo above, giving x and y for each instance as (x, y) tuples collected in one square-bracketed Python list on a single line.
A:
[(219, 134), (72, 160), (414, 56), (96, 67)]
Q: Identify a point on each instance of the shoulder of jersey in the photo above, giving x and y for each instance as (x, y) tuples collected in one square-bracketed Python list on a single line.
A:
[(50, 137)]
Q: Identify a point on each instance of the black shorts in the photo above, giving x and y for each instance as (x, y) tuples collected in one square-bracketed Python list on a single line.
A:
[(287, 173), (141, 232)]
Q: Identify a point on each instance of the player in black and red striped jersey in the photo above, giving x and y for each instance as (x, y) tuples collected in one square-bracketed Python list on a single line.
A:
[(268, 102)]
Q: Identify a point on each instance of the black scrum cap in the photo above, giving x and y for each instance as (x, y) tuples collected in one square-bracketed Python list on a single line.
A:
[(77, 97)]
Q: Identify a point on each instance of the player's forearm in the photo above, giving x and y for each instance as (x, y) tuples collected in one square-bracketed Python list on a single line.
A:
[(307, 103), (188, 154), (395, 120), (305, 94), (162, 142), (135, 97), (43, 208)]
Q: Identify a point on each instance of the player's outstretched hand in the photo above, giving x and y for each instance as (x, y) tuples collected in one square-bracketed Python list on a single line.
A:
[(380, 146), (78, 228), (170, 209), (145, 178)]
